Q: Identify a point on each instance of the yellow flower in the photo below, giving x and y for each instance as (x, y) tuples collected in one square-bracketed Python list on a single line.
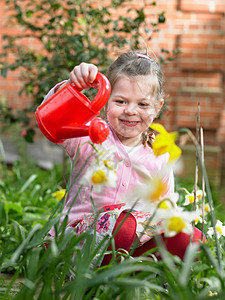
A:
[(168, 202), (174, 221), (99, 177), (207, 208), (212, 294), (190, 197), (159, 187), (165, 204), (220, 229), (165, 142), (199, 194), (199, 220), (176, 224), (59, 194), (196, 220)]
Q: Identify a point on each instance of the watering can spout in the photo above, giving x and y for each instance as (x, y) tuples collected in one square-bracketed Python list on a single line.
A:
[(98, 130), (72, 130)]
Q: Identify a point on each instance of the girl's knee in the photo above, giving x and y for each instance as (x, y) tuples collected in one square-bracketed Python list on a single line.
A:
[(125, 233), (178, 244), (126, 224)]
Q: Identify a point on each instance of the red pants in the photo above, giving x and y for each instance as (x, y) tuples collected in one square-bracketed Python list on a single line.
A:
[(126, 234)]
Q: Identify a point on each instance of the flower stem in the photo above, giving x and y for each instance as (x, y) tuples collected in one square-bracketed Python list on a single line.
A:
[(208, 190)]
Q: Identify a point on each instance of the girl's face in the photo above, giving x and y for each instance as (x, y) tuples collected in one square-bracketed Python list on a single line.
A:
[(131, 108)]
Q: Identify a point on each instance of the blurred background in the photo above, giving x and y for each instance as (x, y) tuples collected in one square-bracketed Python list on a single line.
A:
[(41, 41)]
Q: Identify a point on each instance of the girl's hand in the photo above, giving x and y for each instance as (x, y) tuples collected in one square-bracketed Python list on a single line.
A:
[(83, 76)]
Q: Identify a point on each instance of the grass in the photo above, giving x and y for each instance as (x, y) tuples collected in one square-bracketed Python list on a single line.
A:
[(29, 271)]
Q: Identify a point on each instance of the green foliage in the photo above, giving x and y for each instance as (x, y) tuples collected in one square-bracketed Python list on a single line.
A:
[(69, 32), (25, 197), (26, 215)]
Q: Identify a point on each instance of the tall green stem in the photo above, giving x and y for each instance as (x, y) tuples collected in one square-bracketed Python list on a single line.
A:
[(209, 194)]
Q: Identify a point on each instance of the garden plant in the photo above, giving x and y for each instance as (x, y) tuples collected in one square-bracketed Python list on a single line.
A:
[(66, 271), (32, 266)]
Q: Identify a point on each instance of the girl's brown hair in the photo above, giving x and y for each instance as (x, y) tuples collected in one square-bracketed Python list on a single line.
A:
[(134, 64)]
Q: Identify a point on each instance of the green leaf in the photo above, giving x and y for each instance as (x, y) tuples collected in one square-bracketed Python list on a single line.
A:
[(4, 72), (29, 13), (20, 249), (27, 183), (212, 260), (29, 137), (13, 206), (189, 257), (82, 21)]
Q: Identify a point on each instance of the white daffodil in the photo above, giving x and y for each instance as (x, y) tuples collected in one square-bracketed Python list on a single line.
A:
[(154, 189), (99, 177), (199, 220), (174, 221), (220, 229), (147, 195), (189, 198), (102, 171), (207, 208)]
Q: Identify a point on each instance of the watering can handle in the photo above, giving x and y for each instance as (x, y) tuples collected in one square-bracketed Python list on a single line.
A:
[(103, 94)]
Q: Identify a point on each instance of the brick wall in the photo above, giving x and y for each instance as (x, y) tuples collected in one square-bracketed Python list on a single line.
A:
[(197, 28)]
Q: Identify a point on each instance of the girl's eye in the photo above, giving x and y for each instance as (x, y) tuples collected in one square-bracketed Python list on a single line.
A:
[(144, 104), (120, 101)]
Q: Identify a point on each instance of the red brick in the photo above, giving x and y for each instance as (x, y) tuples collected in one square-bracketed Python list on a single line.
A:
[(216, 6)]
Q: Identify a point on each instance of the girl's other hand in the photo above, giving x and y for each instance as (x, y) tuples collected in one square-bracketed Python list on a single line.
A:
[(83, 76)]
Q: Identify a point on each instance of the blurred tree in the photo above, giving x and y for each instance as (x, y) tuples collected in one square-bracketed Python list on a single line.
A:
[(69, 32)]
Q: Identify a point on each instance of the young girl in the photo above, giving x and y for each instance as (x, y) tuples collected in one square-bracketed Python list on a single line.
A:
[(136, 99)]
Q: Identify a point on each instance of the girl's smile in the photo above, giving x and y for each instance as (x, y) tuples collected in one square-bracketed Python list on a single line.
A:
[(129, 123), (132, 108)]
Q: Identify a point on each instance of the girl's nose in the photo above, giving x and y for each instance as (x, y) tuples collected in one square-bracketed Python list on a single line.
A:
[(131, 109)]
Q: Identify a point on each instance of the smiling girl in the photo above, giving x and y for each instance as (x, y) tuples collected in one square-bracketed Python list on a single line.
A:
[(135, 101)]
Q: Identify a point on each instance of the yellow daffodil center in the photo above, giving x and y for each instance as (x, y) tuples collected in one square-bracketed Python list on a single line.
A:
[(207, 208), (164, 205), (99, 177), (191, 198), (219, 229), (176, 224), (160, 187)]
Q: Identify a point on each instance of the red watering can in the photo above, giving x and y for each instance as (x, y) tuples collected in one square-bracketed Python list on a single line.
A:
[(65, 114)]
